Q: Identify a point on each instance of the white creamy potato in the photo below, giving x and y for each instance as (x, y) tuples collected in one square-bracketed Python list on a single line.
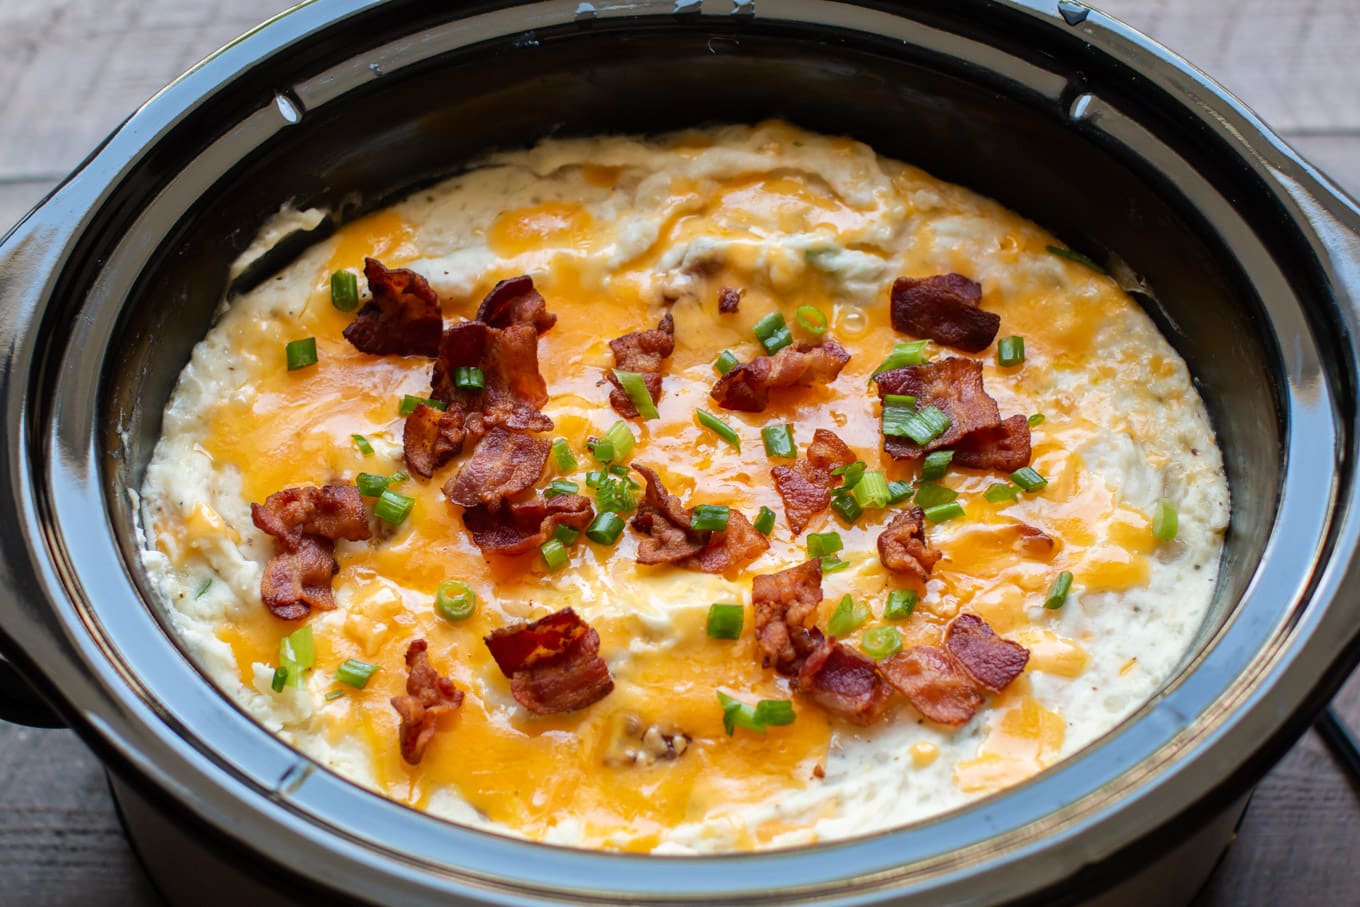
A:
[(615, 232)]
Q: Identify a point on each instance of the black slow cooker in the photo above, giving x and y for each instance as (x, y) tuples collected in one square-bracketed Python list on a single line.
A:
[(1249, 261)]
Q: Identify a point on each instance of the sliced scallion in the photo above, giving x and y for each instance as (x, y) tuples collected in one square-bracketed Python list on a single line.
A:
[(776, 712), (718, 427), (833, 564), (1001, 493), (922, 426), (371, 485), (361, 442), (554, 553), (355, 673), (846, 507), (943, 512), (936, 464), (455, 601), (1028, 478), (616, 495), (811, 319), (850, 474), (725, 363), (872, 490), (409, 402), (738, 714), (300, 353), (344, 291), (621, 436), (566, 535), (635, 386), (710, 517), (1010, 351), (280, 678), (880, 642), (1077, 257), (605, 528), (764, 521), (469, 378), (911, 352), (603, 451), (334, 695), (779, 441), (820, 544), (1057, 593), (901, 602), (899, 492), (562, 456), (848, 615), (1165, 520), (560, 486), (773, 333), (1036, 419), (393, 508), (203, 589), (724, 621), (928, 494)]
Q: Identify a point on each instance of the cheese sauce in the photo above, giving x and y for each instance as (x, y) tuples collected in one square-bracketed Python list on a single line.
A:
[(616, 231)]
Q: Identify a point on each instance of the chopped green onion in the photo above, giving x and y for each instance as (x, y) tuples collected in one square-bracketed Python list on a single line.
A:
[(1028, 479), (618, 469), (355, 673), (616, 495), (344, 291), (738, 714), (903, 354), (300, 353), (901, 602), (811, 319), (848, 615), (1077, 257), (554, 553), (299, 647), (1165, 521), (1010, 351), (399, 476), (846, 507), (776, 712), (871, 492), (833, 564), (899, 419), (718, 427), (1057, 594), (724, 621), (999, 492), (409, 402), (566, 535), (1036, 419), (603, 450), (202, 590), (725, 363), (710, 517), (820, 544), (280, 678), (635, 387), (773, 332), (371, 485), (562, 456), (928, 494), (880, 642), (899, 492), (936, 464), (850, 474), (468, 378), (362, 443), (455, 601), (560, 486), (605, 528), (593, 478), (764, 521), (621, 436), (922, 426), (942, 512), (334, 695), (900, 400), (393, 508), (779, 441)]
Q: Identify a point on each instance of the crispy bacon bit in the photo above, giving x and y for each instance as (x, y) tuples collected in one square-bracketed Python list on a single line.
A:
[(806, 485), (524, 525), (665, 522), (432, 438), (514, 389), (844, 682), (945, 309), (902, 545), (644, 352), (332, 511), (991, 661), (1005, 447), (784, 603), (1033, 542), (933, 682), (746, 388), (299, 580), (504, 464), (403, 317), (952, 385), (427, 697), (729, 300), (515, 301), (553, 663)]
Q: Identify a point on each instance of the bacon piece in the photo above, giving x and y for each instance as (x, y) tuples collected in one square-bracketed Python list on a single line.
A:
[(746, 387), (784, 602), (553, 663), (1005, 447), (665, 522), (431, 438), (902, 545), (403, 317), (504, 464), (952, 385), (298, 580), (945, 309), (332, 511), (1033, 542), (643, 352), (427, 697), (934, 683), (729, 300), (524, 525), (844, 682), (515, 301), (513, 391), (991, 661), (806, 485)]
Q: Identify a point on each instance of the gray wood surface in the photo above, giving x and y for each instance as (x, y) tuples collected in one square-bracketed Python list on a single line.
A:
[(73, 69)]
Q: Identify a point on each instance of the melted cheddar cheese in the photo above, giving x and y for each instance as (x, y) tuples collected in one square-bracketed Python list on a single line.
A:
[(615, 231)]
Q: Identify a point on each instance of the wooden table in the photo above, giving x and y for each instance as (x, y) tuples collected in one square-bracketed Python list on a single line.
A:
[(75, 68)]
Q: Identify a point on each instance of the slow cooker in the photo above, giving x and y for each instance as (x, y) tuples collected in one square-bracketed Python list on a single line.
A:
[(1248, 259)]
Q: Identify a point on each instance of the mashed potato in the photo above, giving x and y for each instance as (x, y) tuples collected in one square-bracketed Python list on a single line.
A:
[(615, 231)]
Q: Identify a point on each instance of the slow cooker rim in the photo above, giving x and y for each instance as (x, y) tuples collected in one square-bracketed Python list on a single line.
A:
[(56, 586)]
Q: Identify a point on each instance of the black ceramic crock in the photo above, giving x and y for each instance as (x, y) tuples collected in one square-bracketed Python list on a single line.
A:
[(1252, 266)]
